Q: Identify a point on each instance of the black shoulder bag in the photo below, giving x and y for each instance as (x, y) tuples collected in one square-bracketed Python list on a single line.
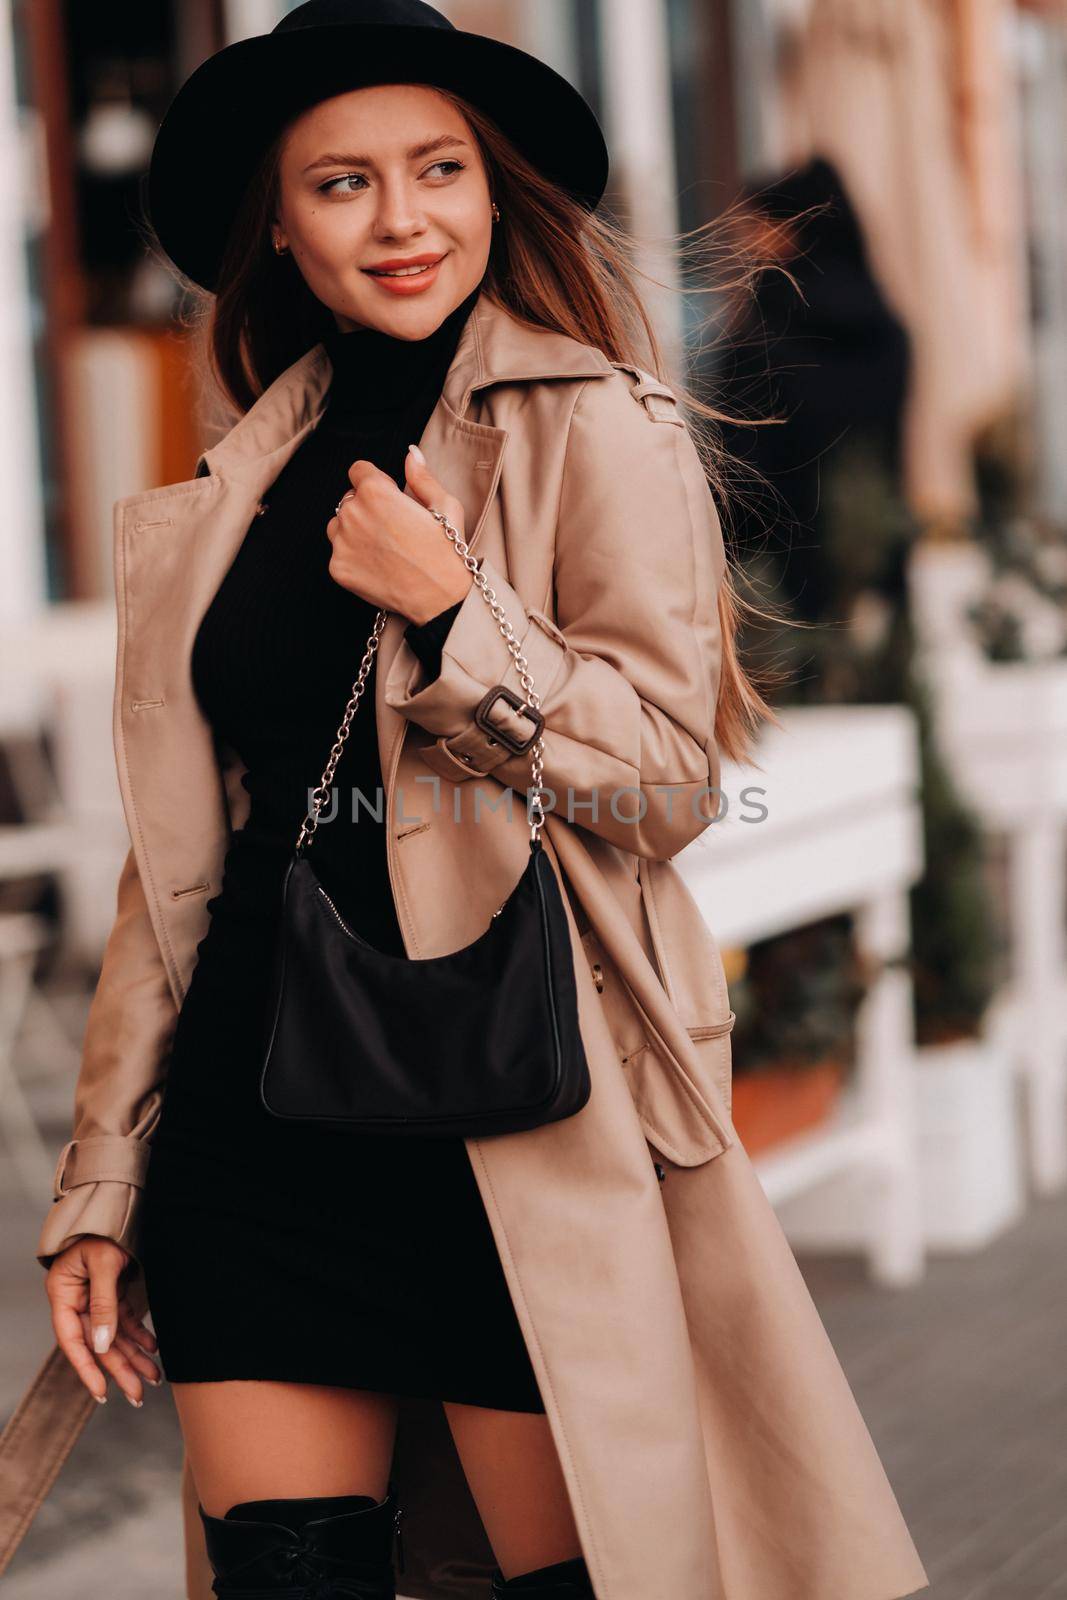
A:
[(483, 1040)]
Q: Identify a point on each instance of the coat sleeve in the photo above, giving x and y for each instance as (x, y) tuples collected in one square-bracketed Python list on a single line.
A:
[(119, 1089), (628, 673)]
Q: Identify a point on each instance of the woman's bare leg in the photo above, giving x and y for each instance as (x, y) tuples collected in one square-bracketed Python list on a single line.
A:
[(257, 1440), (264, 1440), (510, 1462)]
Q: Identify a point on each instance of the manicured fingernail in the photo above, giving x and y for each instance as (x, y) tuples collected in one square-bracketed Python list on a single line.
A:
[(101, 1399), (155, 1382), (101, 1338), (417, 453), (132, 1401)]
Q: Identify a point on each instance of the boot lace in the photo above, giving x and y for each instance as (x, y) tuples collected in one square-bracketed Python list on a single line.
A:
[(315, 1574)]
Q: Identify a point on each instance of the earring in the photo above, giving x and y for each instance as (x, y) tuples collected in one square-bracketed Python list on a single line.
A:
[(496, 213), (280, 249)]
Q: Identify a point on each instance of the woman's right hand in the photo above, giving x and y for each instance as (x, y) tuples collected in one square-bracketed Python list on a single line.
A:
[(95, 1325)]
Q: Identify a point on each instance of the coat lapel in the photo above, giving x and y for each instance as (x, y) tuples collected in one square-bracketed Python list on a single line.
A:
[(467, 456), (174, 546)]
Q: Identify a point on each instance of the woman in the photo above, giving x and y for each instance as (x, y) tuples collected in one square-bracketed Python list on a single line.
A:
[(631, 1408)]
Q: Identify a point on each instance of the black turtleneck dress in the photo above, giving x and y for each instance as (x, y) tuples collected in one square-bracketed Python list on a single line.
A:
[(274, 1250)]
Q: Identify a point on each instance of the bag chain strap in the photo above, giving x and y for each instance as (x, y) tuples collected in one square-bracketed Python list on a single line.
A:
[(533, 700)]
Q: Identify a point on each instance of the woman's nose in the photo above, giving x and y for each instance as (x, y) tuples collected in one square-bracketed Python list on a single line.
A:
[(398, 212)]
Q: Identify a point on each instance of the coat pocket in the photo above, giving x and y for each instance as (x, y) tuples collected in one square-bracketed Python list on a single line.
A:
[(674, 1112), (714, 1044), (691, 969)]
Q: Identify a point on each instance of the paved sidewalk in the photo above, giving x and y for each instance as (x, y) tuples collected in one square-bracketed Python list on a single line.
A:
[(963, 1383)]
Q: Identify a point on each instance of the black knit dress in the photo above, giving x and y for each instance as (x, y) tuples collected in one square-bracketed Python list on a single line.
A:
[(275, 1250)]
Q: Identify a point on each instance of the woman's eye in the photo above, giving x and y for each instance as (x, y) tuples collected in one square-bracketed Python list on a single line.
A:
[(333, 186)]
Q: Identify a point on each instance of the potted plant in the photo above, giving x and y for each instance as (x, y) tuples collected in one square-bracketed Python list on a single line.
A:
[(862, 649), (969, 1159), (795, 1000)]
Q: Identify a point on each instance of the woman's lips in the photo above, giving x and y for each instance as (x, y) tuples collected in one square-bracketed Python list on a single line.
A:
[(410, 283)]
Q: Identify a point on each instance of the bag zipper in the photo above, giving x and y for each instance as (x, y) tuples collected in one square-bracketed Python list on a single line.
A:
[(398, 1513), (341, 921), (346, 929)]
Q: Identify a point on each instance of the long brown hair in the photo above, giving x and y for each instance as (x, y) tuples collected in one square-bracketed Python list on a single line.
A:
[(552, 264)]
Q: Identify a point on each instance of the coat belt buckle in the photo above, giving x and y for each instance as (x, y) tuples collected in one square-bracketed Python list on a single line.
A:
[(499, 735)]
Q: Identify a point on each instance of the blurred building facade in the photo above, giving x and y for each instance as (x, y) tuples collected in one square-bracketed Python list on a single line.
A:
[(946, 123)]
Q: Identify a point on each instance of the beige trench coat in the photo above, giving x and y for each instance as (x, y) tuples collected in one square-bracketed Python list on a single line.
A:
[(710, 1443)]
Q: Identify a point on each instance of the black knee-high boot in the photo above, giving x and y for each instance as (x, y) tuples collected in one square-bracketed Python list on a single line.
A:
[(563, 1580), (314, 1546)]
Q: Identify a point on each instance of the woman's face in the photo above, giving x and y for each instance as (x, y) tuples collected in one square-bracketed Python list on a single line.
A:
[(378, 176)]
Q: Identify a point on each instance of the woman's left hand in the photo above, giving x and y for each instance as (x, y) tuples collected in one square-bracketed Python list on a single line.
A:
[(390, 550)]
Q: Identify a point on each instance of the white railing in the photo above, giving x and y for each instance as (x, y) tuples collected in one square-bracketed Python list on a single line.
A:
[(842, 832)]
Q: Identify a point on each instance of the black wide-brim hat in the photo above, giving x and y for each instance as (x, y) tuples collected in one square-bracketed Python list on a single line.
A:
[(225, 115)]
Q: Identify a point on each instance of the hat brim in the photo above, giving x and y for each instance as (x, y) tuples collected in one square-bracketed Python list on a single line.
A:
[(226, 113)]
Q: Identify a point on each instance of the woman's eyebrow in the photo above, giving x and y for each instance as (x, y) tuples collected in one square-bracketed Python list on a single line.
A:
[(424, 148)]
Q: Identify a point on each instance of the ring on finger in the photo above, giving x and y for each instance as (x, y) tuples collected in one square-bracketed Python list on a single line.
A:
[(346, 496)]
